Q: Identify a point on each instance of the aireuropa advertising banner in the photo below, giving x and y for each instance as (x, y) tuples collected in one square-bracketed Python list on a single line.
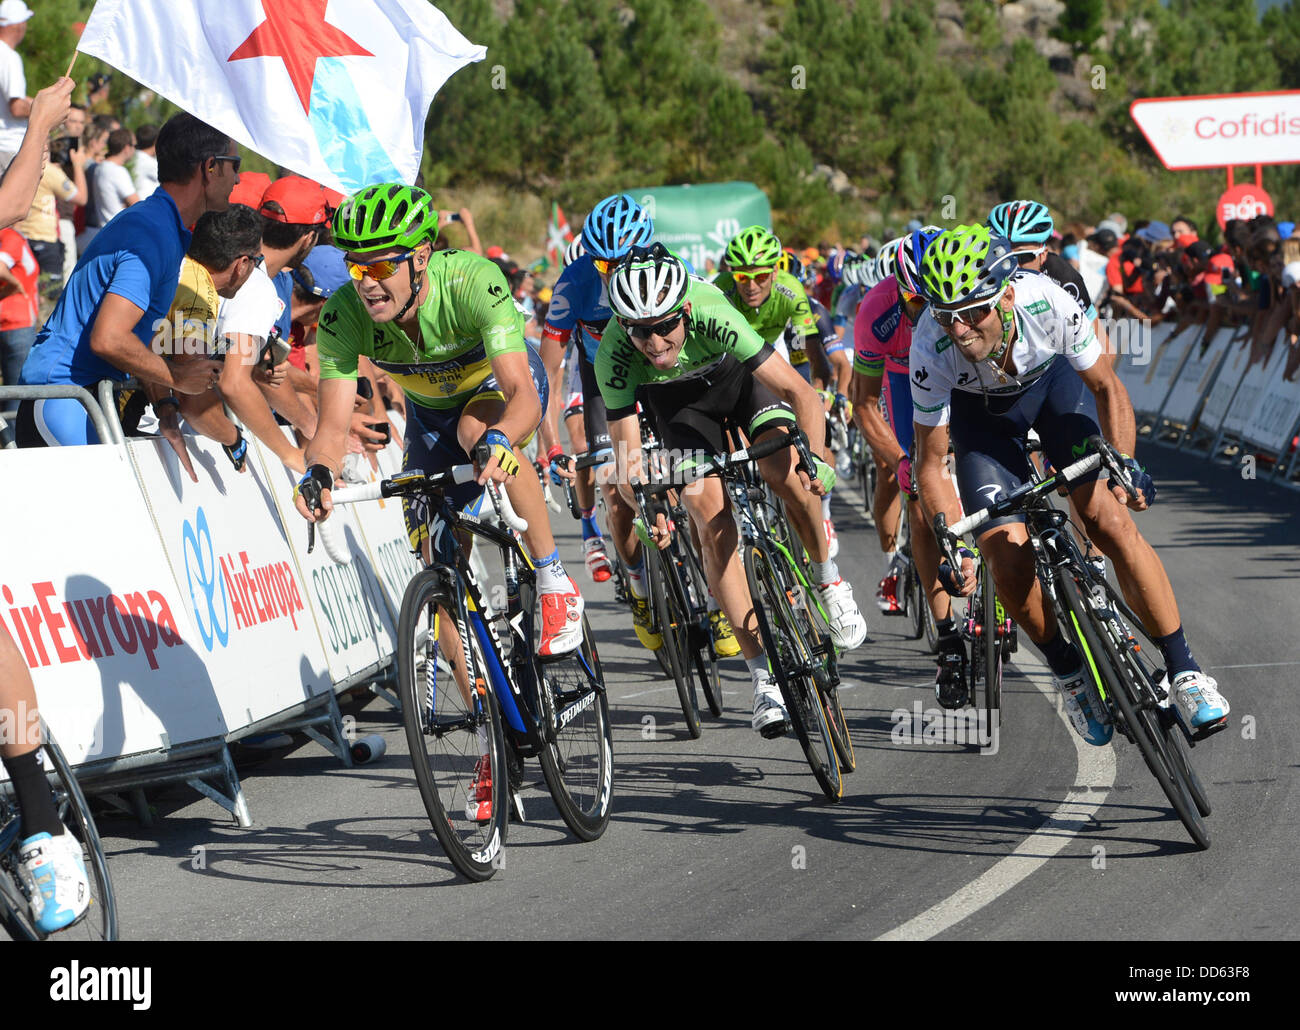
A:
[(1221, 129), (697, 222), (347, 600), (91, 601), (233, 564)]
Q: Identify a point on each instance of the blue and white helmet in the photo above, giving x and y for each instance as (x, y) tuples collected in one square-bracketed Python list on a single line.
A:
[(1023, 222), (615, 226)]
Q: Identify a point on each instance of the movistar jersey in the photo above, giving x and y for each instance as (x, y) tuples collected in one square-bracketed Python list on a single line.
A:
[(468, 319), (713, 330), (1049, 323), (787, 303), (579, 301)]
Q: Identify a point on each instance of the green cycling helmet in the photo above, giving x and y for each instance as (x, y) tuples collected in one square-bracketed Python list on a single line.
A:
[(754, 247), (390, 214), (967, 263)]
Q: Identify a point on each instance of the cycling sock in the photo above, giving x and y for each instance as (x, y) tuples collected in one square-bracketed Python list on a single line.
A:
[(1061, 655), (758, 669), (945, 627), (1178, 659), (551, 577), (826, 507), (33, 795), (713, 603), (636, 580), (589, 527), (825, 572)]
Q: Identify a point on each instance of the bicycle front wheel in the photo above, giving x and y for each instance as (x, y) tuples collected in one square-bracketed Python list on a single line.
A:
[(992, 650), (449, 733), (706, 662), (1135, 704), (578, 759), (792, 660)]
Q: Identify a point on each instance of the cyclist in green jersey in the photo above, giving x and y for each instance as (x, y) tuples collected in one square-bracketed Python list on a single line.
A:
[(700, 365), (443, 325)]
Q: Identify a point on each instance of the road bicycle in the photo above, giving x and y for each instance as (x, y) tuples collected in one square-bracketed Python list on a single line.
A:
[(1118, 652), (99, 923), (472, 684)]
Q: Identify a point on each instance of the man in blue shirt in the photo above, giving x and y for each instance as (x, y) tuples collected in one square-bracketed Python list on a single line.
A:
[(103, 326)]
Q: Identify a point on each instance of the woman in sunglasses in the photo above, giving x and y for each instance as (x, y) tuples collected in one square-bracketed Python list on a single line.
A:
[(1004, 351), (702, 365)]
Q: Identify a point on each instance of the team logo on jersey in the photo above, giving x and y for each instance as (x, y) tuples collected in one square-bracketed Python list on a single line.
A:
[(327, 320), (884, 327), (1038, 307), (920, 376), (719, 332)]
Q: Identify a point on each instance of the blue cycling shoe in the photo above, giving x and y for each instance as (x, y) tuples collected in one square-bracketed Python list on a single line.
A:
[(54, 871), (1198, 700)]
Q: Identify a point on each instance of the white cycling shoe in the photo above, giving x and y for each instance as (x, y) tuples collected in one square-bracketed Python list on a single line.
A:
[(848, 627)]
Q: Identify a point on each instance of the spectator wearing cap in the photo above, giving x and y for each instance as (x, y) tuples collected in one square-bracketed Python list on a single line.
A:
[(257, 322), (102, 326), (16, 105), (98, 87), (252, 187), (145, 170)]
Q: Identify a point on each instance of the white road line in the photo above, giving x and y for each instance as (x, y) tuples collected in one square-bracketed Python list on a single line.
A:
[(1256, 665), (1096, 766)]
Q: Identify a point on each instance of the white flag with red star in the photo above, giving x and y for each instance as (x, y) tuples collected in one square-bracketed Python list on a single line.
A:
[(336, 90)]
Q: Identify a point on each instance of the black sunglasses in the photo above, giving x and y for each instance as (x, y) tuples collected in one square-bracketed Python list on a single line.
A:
[(235, 161), (660, 328)]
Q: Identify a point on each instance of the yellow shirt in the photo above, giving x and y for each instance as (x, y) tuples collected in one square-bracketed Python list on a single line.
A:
[(42, 221), (192, 320)]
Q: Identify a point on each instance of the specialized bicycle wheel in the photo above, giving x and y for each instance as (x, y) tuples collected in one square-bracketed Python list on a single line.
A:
[(578, 760), (706, 662), (792, 660), (1135, 703), (674, 625), (992, 649), (99, 923), (913, 601), (447, 734)]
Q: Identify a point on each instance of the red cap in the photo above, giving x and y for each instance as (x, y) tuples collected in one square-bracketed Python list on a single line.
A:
[(495, 252), (1186, 239), (301, 201), (250, 189)]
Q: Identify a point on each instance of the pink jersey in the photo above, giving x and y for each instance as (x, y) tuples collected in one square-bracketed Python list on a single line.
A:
[(882, 337)]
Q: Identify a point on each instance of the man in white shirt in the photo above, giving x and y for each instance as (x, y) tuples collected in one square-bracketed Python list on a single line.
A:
[(15, 104), (113, 190), (145, 172)]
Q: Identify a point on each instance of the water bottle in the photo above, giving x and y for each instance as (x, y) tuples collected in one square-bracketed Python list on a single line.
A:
[(368, 748)]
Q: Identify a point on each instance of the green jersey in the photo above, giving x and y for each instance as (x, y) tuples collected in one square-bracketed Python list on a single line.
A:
[(786, 305), (714, 329), (467, 319)]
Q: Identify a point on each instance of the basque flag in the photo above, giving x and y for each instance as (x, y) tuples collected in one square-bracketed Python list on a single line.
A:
[(336, 90)]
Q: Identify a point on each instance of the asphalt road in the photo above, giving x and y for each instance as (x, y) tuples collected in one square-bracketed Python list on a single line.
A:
[(728, 837)]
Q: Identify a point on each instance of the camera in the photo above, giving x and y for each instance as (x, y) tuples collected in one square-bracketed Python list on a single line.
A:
[(61, 149)]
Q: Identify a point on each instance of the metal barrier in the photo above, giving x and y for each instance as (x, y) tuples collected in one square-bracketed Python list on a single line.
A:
[(76, 393)]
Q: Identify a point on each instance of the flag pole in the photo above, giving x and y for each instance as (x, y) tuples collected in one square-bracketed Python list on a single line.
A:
[(75, 55)]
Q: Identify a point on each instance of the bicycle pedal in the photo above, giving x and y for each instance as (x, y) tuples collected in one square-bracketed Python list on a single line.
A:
[(517, 803), (1205, 732)]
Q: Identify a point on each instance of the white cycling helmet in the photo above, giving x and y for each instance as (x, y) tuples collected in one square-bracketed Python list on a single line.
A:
[(651, 283), (574, 250), (887, 259)]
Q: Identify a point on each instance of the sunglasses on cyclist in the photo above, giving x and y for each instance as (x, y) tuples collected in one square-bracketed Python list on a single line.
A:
[(1023, 257), (912, 303), (759, 278), (661, 328), (971, 315), (377, 270), (606, 265)]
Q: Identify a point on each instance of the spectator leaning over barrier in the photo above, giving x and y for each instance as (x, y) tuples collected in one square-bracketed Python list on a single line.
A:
[(103, 323), (225, 249), (257, 322), (145, 171)]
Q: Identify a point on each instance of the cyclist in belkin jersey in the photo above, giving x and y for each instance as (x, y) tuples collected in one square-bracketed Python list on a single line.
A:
[(701, 365), (1004, 351)]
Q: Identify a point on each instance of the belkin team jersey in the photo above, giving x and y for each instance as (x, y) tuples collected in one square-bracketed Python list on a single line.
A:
[(714, 330), (579, 301), (467, 320), (1049, 324), (882, 335), (787, 303)]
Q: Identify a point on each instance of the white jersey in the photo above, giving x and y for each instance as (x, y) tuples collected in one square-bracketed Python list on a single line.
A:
[(1049, 323), (846, 309)]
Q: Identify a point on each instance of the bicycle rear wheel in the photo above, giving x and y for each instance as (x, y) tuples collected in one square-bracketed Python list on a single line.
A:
[(1135, 703), (99, 923), (992, 649), (674, 625), (447, 734), (791, 658), (817, 632), (578, 759), (914, 601), (706, 662)]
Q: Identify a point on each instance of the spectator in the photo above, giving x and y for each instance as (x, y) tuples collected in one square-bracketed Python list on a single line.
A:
[(257, 322), (73, 129), (145, 174), (97, 89), (466, 219), (225, 249), (55, 187), (17, 105), (19, 305), (19, 186), (103, 323), (112, 190)]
